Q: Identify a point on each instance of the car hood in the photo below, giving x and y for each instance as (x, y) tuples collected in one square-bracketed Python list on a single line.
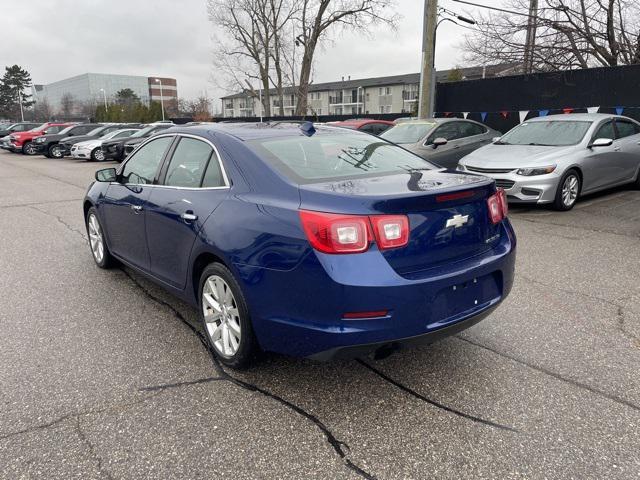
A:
[(515, 155), (89, 143)]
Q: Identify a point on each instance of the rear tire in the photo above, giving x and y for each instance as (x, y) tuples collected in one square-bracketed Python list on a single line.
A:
[(97, 243), (29, 149), (225, 317), (568, 191)]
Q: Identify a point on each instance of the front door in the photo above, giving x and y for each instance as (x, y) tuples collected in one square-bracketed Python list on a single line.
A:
[(125, 202), (600, 162), (192, 185)]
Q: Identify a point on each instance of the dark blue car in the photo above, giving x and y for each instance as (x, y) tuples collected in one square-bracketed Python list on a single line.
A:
[(317, 242)]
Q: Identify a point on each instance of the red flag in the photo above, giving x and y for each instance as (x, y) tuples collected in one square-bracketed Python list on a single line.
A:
[(567, 110), (447, 114), (504, 114)]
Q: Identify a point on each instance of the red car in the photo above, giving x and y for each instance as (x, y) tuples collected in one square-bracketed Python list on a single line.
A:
[(23, 141), (375, 127)]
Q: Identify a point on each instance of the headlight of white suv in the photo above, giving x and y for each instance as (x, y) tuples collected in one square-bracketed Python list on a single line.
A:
[(529, 172)]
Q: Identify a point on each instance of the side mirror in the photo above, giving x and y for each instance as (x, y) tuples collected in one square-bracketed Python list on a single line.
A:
[(439, 142), (495, 139), (106, 175), (601, 142)]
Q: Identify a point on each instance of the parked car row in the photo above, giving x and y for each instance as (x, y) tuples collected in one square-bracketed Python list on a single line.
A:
[(88, 141)]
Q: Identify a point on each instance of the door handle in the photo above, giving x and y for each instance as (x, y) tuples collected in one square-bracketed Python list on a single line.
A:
[(189, 217), (136, 208)]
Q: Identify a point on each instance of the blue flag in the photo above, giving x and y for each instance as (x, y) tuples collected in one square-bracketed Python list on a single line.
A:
[(543, 113), (483, 115), (619, 110)]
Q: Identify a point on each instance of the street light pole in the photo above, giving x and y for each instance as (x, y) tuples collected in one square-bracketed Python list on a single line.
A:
[(427, 77), (21, 109), (161, 98)]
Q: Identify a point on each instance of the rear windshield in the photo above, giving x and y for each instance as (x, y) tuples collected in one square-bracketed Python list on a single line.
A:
[(336, 156), (549, 133), (410, 132)]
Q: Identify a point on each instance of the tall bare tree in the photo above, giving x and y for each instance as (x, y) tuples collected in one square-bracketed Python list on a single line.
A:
[(570, 34), (318, 18)]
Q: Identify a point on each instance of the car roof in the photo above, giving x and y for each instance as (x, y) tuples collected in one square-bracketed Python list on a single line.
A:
[(254, 130), (564, 117), (358, 122)]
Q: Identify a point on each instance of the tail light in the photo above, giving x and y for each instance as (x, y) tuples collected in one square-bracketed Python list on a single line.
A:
[(498, 206), (337, 233)]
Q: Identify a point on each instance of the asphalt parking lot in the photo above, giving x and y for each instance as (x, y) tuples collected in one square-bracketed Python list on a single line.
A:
[(102, 377)]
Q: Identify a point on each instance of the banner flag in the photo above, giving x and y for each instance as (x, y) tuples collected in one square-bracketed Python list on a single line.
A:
[(593, 109), (523, 115), (619, 110), (543, 113), (465, 114), (504, 114), (483, 115), (567, 110)]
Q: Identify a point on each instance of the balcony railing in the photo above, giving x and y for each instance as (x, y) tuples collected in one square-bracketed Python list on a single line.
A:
[(344, 99), (409, 95)]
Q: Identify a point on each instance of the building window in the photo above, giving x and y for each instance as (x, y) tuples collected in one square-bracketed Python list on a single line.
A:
[(387, 91), (381, 91), (381, 109)]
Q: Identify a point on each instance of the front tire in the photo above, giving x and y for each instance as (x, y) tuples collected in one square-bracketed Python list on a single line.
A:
[(29, 149), (55, 151), (97, 244), (568, 191), (225, 317), (97, 155)]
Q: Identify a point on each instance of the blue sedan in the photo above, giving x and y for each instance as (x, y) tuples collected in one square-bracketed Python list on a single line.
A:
[(305, 240)]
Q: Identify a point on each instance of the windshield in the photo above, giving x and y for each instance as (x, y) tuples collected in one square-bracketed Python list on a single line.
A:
[(409, 132), (39, 128), (549, 133), (96, 131), (65, 130), (111, 134), (143, 132), (336, 156)]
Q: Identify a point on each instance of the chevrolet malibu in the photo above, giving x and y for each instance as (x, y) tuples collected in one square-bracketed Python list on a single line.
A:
[(556, 159), (316, 242)]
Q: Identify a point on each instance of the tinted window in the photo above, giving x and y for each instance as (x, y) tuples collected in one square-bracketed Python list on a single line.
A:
[(122, 134), (606, 131), (626, 128), (449, 131), (379, 128), (21, 128), (143, 165), (335, 156), (80, 130), (369, 128), (55, 129), (468, 129), (409, 132), (554, 133), (188, 163)]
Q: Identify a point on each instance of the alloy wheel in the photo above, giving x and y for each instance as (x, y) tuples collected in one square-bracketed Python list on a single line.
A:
[(30, 149), (95, 238), (56, 152), (221, 316), (570, 190), (98, 154)]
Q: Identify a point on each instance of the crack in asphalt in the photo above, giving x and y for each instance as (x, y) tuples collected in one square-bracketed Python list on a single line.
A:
[(166, 386), (82, 187), (92, 451), (338, 446), (579, 227), (555, 375), (620, 309), (61, 221), (439, 405), (18, 205)]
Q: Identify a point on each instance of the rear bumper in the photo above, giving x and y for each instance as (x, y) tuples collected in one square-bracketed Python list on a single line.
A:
[(300, 312)]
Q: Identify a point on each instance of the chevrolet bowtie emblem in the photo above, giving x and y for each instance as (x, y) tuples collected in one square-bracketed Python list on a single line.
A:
[(457, 221)]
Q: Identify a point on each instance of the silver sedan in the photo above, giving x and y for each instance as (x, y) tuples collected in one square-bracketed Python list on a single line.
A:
[(556, 159), (443, 141)]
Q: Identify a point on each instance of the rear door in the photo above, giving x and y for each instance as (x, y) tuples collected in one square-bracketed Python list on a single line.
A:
[(192, 185), (445, 155), (628, 133), (472, 137), (125, 202)]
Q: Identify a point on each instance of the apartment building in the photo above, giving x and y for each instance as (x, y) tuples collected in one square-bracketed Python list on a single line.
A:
[(392, 94)]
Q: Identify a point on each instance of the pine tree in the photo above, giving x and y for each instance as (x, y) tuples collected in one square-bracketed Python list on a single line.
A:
[(15, 80)]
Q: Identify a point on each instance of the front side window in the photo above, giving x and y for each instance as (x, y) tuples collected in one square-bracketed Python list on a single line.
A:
[(551, 133), (606, 131), (188, 163), (336, 156), (54, 129), (142, 167), (626, 128), (409, 132), (449, 131)]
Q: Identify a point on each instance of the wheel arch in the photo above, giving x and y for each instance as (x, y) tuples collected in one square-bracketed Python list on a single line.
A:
[(199, 264)]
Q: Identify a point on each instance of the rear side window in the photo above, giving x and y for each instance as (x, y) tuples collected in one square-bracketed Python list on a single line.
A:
[(335, 156), (468, 129), (188, 163), (626, 128), (448, 131)]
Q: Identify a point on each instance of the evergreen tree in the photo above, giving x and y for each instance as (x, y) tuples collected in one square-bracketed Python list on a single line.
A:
[(14, 82)]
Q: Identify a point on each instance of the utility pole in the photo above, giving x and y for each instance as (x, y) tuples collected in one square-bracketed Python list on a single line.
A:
[(21, 109), (530, 42), (427, 77)]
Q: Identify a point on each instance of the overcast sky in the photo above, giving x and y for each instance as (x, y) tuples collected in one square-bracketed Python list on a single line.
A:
[(56, 39)]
